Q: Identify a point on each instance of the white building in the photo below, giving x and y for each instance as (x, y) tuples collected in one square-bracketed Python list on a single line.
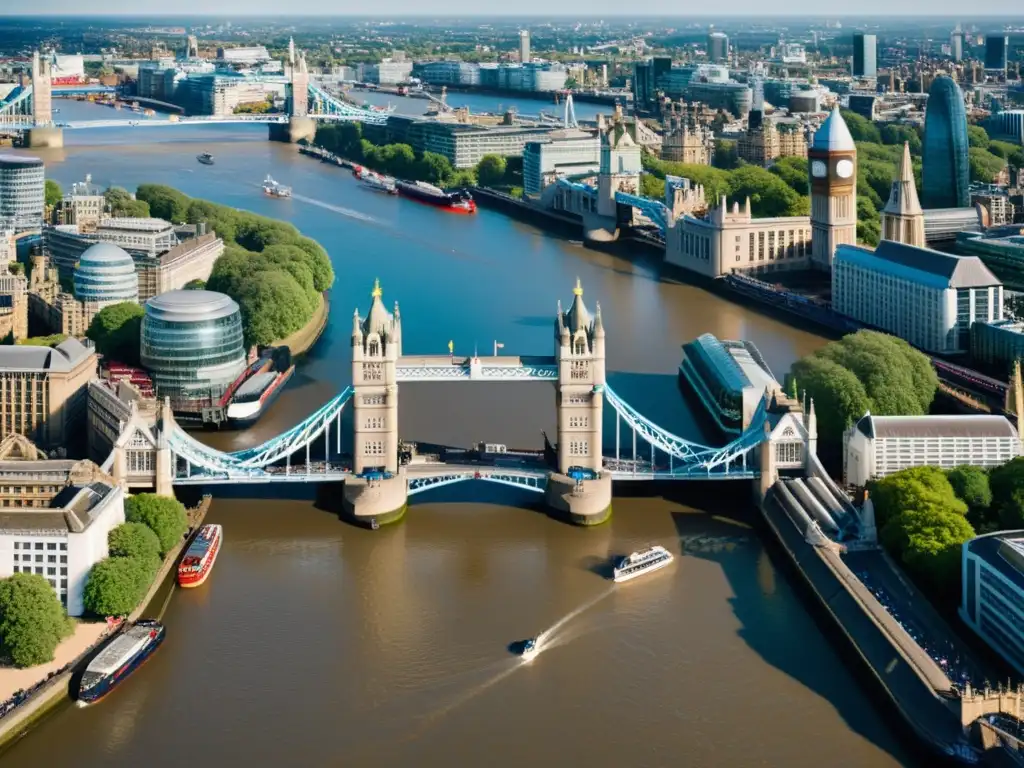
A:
[(388, 72), (62, 542), (992, 602), (568, 153), (877, 446), (925, 297), (254, 54)]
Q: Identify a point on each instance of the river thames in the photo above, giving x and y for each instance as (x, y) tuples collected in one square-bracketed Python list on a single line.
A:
[(318, 644)]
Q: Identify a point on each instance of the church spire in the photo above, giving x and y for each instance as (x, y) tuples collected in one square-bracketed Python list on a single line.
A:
[(902, 217)]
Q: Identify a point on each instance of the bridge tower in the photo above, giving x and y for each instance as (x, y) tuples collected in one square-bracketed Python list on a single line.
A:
[(376, 347), (300, 124), (619, 172), (579, 401), (43, 134)]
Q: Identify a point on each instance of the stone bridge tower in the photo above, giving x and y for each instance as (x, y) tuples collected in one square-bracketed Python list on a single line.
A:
[(43, 133), (376, 347), (300, 124), (579, 353), (579, 401)]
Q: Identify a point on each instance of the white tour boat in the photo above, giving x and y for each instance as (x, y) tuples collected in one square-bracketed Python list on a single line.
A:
[(644, 561)]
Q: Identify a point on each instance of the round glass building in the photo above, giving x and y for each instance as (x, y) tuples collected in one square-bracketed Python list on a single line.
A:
[(22, 193), (105, 274), (192, 346)]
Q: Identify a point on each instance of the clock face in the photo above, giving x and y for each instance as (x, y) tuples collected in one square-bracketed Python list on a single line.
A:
[(844, 169), (818, 169)]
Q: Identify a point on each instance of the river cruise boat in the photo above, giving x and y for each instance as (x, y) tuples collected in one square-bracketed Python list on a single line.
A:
[(644, 561), (375, 182), (206, 158), (275, 189), (123, 655), (200, 556), (530, 650)]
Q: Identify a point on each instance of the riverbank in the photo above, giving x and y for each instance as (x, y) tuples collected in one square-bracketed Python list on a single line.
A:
[(303, 339), (74, 653)]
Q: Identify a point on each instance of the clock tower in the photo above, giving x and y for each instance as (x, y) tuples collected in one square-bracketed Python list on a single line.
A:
[(832, 165)]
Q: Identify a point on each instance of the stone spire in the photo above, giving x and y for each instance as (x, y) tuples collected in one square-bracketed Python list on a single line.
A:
[(902, 217)]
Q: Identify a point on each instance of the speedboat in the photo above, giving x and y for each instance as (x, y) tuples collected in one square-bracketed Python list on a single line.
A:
[(529, 650), (206, 158)]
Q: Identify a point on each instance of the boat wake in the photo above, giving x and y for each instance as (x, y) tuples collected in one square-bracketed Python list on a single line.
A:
[(348, 212), (555, 634)]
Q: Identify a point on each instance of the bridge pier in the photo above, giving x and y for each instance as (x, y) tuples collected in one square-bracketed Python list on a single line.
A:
[(297, 128), (600, 229), (44, 138), (587, 502), (381, 500)]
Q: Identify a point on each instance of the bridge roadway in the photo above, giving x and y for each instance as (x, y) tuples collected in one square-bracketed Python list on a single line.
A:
[(476, 368)]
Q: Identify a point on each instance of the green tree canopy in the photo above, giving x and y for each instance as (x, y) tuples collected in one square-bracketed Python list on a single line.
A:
[(164, 516), (793, 171), (921, 489), (839, 397), (116, 331), (861, 128), (32, 620), (727, 155), (116, 585), (43, 341), (977, 136), (929, 543), (1007, 483), (971, 486), (273, 306), (53, 194), (195, 285), (135, 540), (121, 203), (164, 202), (490, 171), (434, 168), (16, 268), (984, 165)]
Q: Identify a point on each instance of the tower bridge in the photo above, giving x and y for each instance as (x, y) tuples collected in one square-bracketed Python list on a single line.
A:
[(29, 108), (377, 483)]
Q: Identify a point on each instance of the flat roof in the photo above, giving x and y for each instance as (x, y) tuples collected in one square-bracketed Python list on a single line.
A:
[(936, 426), (255, 384), (1004, 552)]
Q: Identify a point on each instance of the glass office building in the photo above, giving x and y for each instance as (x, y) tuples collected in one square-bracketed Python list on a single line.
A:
[(945, 171), (864, 56), (22, 193), (192, 346), (992, 602), (105, 274), (996, 47)]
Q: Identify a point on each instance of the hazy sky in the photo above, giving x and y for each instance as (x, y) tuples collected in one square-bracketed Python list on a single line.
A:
[(588, 8)]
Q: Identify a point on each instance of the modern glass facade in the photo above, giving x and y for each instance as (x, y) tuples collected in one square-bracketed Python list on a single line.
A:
[(992, 603), (864, 56), (945, 168), (105, 274), (192, 346), (22, 193)]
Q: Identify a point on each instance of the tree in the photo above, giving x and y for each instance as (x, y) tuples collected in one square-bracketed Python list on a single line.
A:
[(861, 128), (651, 186), (116, 331), (984, 165), (53, 193), (195, 285), (165, 517), (116, 585), (881, 367), (272, 305), (135, 540), (922, 489), (977, 137), (971, 486), (16, 268), (164, 202), (490, 171), (838, 395), (43, 341), (1007, 484), (793, 171), (726, 154), (929, 543), (121, 203), (32, 620), (434, 168)]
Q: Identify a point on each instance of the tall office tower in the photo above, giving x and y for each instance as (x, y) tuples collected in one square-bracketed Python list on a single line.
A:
[(833, 182), (995, 52), (956, 44), (865, 60), (718, 46), (524, 45), (945, 168)]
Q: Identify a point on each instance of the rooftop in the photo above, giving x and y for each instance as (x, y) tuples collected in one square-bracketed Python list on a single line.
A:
[(191, 306), (136, 225), (1003, 551), (70, 511), (833, 135), (64, 357), (106, 254), (20, 161), (945, 268), (935, 426)]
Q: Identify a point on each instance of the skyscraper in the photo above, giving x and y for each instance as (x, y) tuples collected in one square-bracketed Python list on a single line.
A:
[(995, 52), (865, 63), (945, 171), (524, 45), (718, 46), (956, 44)]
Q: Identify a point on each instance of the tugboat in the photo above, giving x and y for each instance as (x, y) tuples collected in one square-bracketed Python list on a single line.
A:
[(460, 201), (122, 656), (273, 189), (206, 158), (530, 650)]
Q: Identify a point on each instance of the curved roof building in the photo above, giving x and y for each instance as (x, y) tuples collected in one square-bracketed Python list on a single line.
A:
[(105, 274), (945, 172), (192, 346)]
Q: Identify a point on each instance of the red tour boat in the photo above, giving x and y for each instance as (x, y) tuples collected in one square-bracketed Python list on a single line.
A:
[(198, 561)]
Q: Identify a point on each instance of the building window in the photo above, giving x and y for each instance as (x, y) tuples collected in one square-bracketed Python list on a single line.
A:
[(578, 448)]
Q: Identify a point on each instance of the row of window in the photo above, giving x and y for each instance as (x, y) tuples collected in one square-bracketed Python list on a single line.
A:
[(579, 370), (578, 422), (373, 448), (39, 558), (578, 448), (375, 422), (50, 546)]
